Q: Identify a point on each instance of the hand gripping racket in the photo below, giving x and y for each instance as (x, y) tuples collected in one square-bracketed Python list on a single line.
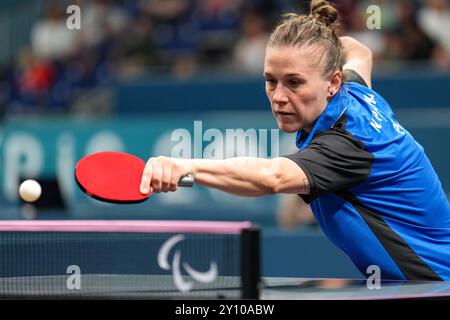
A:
[(115, 177)]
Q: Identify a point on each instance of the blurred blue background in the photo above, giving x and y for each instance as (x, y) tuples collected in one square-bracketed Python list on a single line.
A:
[(137, 70)]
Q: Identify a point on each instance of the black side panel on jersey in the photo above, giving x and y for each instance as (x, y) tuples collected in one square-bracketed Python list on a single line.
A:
[(411, 265)]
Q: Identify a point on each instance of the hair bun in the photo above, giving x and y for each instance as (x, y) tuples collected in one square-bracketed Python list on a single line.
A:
[(323, 11)]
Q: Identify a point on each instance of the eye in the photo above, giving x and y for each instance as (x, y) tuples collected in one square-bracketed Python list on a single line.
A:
[(271, 82), (295, 83)]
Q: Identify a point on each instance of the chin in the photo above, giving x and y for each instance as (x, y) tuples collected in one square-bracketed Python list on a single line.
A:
[(288, 127)]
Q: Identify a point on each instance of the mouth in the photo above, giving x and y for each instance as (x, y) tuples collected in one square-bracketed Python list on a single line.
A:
[(285, 114)]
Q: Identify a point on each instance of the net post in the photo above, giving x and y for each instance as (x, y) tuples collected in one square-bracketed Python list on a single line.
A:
[(250, 263)]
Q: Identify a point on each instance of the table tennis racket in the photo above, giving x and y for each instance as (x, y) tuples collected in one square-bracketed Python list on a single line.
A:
[(115, 177)]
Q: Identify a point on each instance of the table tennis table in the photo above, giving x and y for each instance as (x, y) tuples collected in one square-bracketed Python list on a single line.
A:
[(351, 289), (142, 260), (272, 288)]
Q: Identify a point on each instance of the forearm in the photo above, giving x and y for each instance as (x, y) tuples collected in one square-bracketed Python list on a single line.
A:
[(357, 57), (355, 50), (248, 176), (240, 176)]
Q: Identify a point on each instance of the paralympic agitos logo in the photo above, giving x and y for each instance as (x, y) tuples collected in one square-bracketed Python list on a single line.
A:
[(181, 284)]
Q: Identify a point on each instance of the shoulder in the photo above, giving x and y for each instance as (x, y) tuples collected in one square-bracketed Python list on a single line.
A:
[(338, 139), (333, 161)]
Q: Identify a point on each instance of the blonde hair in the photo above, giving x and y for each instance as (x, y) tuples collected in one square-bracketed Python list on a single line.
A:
[(317, 28)]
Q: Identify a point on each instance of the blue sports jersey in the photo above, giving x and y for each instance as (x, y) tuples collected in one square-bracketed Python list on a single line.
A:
[(373, 191)]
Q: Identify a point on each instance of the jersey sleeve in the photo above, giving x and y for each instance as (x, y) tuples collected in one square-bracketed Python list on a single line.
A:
[(333, 162), (353, 76)]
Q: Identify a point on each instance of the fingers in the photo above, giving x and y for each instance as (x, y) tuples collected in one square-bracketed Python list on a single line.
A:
[(160, 174), (157, 176), (167, 176), (147, 176)]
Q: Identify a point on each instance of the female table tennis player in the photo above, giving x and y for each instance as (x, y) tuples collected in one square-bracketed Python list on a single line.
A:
[(369, 184)]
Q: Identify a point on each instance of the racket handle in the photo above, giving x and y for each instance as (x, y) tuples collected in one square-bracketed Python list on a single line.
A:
[(187, 181)]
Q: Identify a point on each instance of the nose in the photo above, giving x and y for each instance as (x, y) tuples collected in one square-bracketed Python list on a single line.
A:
[(279, 96)]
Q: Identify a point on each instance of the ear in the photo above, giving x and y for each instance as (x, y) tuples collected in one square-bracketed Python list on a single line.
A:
[(335, 82)]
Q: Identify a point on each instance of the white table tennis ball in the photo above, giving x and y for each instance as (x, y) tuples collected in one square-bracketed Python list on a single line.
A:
[(30, 190)]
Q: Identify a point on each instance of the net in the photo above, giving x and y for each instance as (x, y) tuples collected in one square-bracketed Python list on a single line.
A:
[(126, 259)]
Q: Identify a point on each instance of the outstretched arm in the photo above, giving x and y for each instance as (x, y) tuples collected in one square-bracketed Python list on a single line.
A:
[(240, 176), (358, 57)]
